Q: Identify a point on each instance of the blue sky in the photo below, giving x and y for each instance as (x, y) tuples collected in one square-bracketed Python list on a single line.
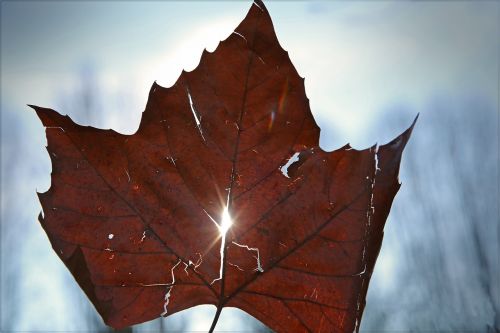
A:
[(361, 61), (357, 58)]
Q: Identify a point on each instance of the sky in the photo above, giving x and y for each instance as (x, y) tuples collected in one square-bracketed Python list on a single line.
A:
[(363, 62)]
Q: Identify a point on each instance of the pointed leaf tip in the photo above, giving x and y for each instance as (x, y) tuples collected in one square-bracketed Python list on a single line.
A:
[(260, 4), (401, 140)]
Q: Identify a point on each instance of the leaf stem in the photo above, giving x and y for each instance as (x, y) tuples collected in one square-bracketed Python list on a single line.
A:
[(216, 318)]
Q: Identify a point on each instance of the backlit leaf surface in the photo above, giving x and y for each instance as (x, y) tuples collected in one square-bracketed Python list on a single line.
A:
[(135, 217)]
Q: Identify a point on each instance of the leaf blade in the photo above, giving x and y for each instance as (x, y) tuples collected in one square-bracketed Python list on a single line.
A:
[(132, 216)]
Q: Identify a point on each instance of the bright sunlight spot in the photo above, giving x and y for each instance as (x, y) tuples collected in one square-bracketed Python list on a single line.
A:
[(226, 222)]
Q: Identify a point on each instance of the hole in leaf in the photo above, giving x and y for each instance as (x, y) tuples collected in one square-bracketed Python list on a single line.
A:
[(291, 160)]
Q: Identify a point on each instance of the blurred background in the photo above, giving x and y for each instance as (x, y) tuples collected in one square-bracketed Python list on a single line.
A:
[(370, 67)]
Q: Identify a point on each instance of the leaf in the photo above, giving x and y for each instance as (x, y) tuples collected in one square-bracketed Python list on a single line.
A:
[(137, 218)]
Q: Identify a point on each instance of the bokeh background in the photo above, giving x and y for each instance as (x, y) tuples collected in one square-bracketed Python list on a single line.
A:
[(370, 67)]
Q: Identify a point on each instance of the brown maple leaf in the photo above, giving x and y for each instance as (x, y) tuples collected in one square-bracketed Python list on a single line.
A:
[(221, 197)]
